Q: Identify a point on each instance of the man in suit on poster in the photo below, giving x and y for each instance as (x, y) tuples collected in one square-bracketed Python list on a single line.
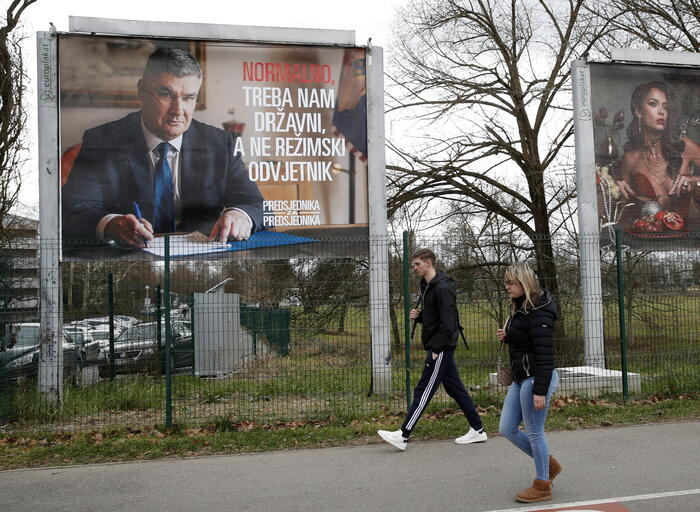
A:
[(158, 170)]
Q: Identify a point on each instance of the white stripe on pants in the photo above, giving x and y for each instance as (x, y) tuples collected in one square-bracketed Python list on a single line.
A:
[(427, 392)]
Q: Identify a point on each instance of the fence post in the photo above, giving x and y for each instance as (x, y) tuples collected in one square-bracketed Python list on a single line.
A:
[(191, 320), (621, 309), (110, 309), (158, 318), (168, 369), (406, 319)]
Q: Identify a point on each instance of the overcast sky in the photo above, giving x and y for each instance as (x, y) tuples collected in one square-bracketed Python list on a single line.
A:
[(368, 18)]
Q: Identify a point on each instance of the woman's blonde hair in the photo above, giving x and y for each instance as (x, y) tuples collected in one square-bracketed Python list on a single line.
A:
[(523, 273)]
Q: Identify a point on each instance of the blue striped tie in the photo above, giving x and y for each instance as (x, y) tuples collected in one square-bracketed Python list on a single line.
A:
[(163, 196)]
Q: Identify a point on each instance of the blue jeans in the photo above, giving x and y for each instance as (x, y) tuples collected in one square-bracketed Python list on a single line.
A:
[(518, 407)]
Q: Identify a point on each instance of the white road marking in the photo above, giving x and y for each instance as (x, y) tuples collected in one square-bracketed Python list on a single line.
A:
[(639, 497)]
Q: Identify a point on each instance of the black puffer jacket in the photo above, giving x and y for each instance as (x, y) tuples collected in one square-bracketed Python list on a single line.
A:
[(529, 337), (439, 315)]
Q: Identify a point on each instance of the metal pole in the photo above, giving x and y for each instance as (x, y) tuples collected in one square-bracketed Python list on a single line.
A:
[(621, 308), (351, 190), (50, 371), (110, 309), (406, 318), (587, 197), (159, 319), (194, 341), (168, 369), (378, 248)]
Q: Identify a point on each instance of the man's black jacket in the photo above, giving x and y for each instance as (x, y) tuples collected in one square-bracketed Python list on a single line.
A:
[(439, 315)]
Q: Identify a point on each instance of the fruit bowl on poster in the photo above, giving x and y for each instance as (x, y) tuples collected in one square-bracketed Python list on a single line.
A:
[(663, 225)]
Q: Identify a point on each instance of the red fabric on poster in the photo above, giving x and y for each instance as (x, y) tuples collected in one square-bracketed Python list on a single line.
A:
[(67, 160)]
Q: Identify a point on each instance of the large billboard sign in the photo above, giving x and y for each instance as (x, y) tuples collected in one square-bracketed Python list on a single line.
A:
[(227, 140), (646, 131)]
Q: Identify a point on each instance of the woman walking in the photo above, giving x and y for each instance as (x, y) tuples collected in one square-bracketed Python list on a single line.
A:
[(528, 334)]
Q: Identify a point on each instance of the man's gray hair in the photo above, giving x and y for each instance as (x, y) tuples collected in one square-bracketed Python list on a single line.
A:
[(173, 61)]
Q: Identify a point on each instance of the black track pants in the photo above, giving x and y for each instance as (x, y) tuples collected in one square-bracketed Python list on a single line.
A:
[(441, 370)]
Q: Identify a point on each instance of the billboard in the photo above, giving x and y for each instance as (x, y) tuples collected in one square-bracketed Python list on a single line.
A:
[(646, 130), (259, 144)]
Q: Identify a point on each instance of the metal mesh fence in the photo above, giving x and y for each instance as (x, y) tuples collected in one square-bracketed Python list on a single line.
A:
[(289, 336)]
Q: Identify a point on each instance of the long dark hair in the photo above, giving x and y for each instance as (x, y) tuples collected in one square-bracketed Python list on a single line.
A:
[(671, 147)]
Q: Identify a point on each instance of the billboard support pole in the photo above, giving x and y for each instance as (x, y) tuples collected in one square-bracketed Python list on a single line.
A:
[(50, 381), (378, 247), (589, 236)]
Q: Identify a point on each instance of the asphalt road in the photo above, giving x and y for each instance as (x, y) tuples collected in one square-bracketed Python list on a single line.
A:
[(598, 465)]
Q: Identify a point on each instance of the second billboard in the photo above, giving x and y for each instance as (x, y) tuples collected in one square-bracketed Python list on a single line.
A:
[(646, 125)]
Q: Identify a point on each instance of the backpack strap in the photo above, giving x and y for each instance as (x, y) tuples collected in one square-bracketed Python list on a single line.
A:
[(415, 322), (461, 333)]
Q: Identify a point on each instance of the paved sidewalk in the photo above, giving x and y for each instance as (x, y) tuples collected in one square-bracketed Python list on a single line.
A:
[(429, 476)]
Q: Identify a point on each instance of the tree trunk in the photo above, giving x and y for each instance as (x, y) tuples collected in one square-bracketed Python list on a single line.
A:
[(568, 351), (341, 320), (395, 332)]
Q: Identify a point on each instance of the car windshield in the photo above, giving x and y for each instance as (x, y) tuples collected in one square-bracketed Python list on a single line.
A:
[(139, 332), (75, 337), (27, 336)]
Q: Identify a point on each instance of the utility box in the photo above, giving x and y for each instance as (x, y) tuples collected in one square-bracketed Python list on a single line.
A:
[(220, 344)]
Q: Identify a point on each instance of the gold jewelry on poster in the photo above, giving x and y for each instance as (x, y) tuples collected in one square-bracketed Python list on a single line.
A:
[(656, 165)]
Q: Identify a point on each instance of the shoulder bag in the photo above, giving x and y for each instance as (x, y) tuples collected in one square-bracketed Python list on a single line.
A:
[(504, 371)]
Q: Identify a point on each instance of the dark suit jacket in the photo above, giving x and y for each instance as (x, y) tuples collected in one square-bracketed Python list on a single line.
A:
[(112, 171)]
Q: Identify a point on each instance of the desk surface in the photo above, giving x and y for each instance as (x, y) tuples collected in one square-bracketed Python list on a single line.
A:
[(330, 242)]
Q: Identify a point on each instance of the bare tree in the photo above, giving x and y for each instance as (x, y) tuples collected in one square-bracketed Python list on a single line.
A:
[(656, 24), (12, 110), (491, 80)]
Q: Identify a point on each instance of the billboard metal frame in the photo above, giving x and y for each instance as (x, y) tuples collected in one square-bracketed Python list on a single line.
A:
[(49, 147)]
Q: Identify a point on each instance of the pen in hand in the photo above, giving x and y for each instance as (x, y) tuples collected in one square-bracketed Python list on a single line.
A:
[(137, 213)]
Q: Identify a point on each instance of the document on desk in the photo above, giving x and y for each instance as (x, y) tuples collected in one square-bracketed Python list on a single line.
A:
[(185, 245), (196, 243)]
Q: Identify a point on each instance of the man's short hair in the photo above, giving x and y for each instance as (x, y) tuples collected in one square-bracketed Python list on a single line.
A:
[(425, 254), (173, 61)]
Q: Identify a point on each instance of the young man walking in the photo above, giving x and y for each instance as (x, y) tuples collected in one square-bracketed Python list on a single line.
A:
[(440, 333)]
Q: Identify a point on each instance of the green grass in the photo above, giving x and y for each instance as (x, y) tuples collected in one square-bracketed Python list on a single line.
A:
[(328, 374), (225, 435), (286, 389)]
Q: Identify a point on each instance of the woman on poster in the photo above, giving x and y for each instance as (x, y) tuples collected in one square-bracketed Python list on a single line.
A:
[(656, 169)]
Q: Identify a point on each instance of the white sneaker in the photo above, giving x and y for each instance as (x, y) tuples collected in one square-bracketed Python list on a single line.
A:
[(472, 437), (394, 438)]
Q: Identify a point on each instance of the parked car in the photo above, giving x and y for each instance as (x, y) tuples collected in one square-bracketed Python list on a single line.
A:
[(19, 342), (126, 321), (19, 350), (139, 350), (77, 334), (98, 323), (121, 322)]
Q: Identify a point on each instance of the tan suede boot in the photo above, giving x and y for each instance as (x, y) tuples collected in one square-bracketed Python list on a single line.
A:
[(541, 490), (554, 468)]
